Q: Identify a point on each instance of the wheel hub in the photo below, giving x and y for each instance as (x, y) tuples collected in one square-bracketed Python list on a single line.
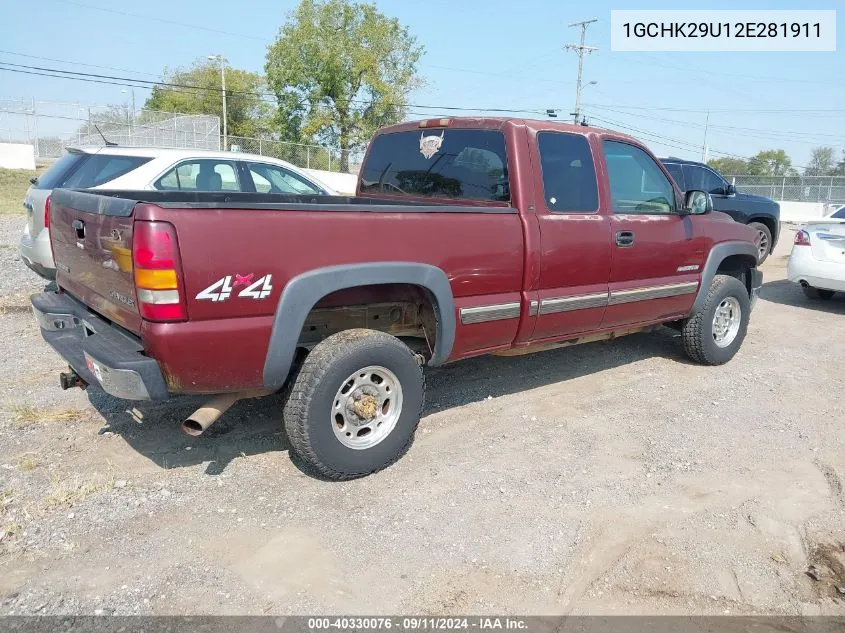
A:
[(366, 407), (726, 321)]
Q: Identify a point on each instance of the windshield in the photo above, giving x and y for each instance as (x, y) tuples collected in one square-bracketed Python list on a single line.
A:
[(439, 163)]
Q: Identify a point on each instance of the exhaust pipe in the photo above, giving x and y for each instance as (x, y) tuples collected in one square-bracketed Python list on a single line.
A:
[(199, 421)]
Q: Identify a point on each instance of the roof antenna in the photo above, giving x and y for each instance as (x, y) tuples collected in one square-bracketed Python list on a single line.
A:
[(105, 140)]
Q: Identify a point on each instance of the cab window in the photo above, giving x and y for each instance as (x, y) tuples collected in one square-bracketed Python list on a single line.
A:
[(637, 184), (569, 177)]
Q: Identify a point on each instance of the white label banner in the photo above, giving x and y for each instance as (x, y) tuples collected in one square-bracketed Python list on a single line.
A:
[(722, 30)]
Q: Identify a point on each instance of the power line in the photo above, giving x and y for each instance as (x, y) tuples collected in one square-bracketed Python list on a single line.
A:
[(188, 88), (67, 61), (720, 109), (162, 20)]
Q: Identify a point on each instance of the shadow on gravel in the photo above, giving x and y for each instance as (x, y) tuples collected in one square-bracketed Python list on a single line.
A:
[(790, 294), (253, 427)]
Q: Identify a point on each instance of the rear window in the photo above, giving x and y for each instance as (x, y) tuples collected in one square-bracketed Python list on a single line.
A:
[(98, 169), (439, 163), (839, 214), (53, 177)]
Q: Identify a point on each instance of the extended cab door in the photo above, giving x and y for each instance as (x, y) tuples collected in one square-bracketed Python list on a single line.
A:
[(656, 257), (574, 237)]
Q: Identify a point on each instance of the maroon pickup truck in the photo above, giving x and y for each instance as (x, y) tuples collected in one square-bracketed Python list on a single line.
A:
[(466, 237)]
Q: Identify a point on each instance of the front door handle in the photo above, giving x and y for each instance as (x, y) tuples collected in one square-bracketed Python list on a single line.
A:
[(625, 238)]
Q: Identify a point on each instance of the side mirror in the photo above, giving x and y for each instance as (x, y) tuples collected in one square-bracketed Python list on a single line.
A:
[(731, 190), (697, 202)]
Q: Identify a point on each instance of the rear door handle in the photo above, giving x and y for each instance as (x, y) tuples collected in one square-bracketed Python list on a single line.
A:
[(625, 238)]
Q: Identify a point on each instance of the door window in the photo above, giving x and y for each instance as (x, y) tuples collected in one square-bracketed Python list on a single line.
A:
[(637, 184), (275, 179), (569, 177), (703, 179), (677, 174), (201, 175)]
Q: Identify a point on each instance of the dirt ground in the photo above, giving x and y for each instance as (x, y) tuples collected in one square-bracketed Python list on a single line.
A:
[(606, 478)]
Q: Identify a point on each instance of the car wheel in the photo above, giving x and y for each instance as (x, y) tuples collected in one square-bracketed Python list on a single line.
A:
[(714, 334), (817, 293), (355, 404), (765, 240)]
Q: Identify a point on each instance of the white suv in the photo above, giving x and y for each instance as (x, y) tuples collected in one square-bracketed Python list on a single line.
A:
[(137, 168)]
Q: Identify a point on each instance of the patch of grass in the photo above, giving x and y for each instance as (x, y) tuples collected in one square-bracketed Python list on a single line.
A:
[(6, 497), (24, 415), (27, 462), (13, 186), (66, 493)]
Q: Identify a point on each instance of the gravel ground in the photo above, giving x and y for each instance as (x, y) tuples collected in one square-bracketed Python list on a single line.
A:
[(605, 478)]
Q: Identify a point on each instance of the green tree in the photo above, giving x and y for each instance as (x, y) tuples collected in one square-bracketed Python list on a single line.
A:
[(247, 112), (340, 70), (822, 162), (771, 162), (729, 166)]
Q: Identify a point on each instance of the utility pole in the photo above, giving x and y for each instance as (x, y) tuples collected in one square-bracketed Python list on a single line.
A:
[(222, 61), (580, 49), (704, 146)]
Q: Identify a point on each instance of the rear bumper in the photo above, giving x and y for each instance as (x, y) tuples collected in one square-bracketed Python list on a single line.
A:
[(804, 267), (99, 352), (36, 253)]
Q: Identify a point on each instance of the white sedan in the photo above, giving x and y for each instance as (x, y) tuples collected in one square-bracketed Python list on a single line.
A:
[(141, 168), (817, 261)]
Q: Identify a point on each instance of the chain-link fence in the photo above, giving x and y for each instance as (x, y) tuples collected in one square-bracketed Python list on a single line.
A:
[(307, 156), (51, 126), (793, 188)]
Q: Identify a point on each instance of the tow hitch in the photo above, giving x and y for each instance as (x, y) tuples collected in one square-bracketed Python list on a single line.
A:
[(70, 379)]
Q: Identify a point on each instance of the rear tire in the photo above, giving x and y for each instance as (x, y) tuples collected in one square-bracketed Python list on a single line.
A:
[(714, 334), (355, 404), (817, 293), (765, 240)]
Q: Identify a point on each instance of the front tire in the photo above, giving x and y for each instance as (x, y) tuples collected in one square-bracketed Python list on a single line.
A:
[(355, 404), (817, 293), (765, 240), (714, 334)]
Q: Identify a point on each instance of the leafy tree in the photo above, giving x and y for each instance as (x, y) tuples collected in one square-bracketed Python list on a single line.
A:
[(729, 166), (822, 162), (839, 170), (771, 162), (247, 113), (340, 70)]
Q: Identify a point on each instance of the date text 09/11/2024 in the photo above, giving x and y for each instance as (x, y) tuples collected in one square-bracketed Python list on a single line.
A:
[(416, 623), (721, 29)]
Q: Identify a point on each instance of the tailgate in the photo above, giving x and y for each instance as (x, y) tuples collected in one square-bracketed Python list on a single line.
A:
[(828, 242), (92, 243)]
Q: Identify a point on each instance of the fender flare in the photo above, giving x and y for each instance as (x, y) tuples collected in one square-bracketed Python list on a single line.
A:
[(717, 255), (303, 292)]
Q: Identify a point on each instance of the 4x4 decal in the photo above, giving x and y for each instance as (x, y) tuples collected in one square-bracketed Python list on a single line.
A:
[(223, 288)]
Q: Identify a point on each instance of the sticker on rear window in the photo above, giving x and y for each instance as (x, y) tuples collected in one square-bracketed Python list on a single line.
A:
[(430, 145)]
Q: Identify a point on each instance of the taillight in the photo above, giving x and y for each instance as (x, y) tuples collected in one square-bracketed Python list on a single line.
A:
[(47, 213), (157, 270), (802, 238)]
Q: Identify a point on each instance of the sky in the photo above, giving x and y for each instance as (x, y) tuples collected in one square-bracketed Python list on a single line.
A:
[(481, 54)]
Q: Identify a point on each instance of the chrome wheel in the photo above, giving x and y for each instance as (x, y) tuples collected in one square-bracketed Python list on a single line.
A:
[(726, 321), (763, 249), (366, 407)]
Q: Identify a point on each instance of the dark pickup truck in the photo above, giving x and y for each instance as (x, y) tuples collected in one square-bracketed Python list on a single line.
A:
[(760, 213), (467, 237)]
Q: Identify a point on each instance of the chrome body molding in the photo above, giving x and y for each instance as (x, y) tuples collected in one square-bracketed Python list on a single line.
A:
[(652, 292), (533, 308), (576, 302), (496, 312)]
